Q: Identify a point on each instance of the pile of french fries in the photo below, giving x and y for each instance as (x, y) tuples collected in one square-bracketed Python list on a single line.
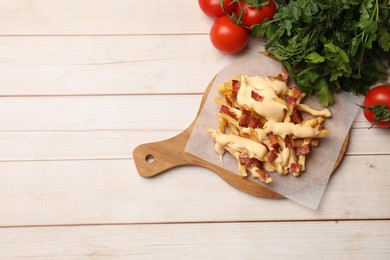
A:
[(260, 145)]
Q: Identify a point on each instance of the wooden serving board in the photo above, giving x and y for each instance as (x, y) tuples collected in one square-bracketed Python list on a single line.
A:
[(152, 159)]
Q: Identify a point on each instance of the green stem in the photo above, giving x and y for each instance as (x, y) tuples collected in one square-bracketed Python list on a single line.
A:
[(232, 16), (381, 113)]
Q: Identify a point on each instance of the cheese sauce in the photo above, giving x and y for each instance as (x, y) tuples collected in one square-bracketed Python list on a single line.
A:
[(282, 129), (238, 143), (269, 90), (305, 108)]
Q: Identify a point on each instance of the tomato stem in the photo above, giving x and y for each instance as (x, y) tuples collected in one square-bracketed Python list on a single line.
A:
[(250, 3), (233, 15), (381, 113)]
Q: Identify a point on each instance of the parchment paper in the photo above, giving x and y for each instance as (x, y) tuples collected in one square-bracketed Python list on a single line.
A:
[(309, 187)]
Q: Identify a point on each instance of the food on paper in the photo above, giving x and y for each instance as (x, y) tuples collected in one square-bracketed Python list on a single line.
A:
[(264, 125)]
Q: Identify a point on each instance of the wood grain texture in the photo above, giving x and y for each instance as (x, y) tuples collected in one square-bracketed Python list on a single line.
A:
[(341, 240), (111, 191), (89, 65), (90, 17), (136, 112)]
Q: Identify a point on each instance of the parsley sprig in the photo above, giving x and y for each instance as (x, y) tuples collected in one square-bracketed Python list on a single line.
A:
[(331, 45)]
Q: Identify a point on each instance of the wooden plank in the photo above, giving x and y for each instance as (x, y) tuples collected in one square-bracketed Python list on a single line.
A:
[(56, 17), (327, 240), (111, 191), (82, 65), (98, 112), (81, 145), (74, 145), (364, 141)]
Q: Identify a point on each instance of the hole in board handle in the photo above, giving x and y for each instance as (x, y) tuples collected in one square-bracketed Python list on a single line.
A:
[(149, 158)]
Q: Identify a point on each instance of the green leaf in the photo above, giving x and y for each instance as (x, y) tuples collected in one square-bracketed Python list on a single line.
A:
[(324, 93), (335, 74), (369, 40), (365, 9), (355, 43), (348, 3), (366, 26), (314, 58), (296, 13), (337, 59), (288, 25), (384, 39)]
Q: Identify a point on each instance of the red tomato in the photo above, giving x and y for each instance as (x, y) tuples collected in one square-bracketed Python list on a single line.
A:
[(378, 95), (227, 36), (252, 16), (212, 8)]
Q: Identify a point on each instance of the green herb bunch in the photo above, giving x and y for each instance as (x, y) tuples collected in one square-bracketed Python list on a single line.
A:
[(331, 45)]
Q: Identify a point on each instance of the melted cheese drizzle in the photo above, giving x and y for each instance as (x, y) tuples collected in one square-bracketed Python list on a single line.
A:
[(305, 108), (282, 129), (269, 90), (238, 143)]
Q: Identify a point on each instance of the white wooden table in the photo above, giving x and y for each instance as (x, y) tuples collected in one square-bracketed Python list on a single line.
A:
[(82, 83)]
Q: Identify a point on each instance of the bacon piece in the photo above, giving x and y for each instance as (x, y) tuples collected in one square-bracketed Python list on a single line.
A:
[(247, 119), (229, 101), (254, 122), (235, 86), (244, 118), (256, 96), (304, 149), (294, 98), (264, 176), (295, 167), (244, 158), (288, 142), (296, 116), (271, 156), (291, 100), (254, 163), (297, 92), (273, 139), (248, 162), (225, 110)]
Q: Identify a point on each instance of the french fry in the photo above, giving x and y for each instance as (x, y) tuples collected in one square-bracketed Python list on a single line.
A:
[(322, 133)]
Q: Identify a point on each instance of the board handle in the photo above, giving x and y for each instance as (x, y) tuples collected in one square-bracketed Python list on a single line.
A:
[(154, 158)]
